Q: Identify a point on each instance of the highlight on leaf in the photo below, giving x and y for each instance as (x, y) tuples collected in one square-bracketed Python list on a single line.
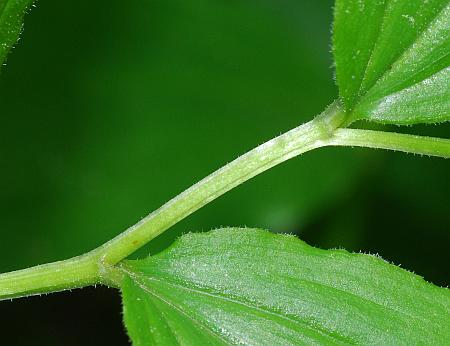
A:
[(248, 286), (392, 60)]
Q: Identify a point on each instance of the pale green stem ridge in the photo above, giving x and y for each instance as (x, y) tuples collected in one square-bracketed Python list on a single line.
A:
[(96, 266), (422, 145), (311, 135)]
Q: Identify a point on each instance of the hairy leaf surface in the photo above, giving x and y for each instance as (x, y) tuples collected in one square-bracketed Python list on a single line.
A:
[(247, 286), (392, 59), (11, 23)]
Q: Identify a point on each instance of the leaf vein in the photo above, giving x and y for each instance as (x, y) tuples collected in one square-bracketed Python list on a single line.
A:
[(201, 324), (420, 33)]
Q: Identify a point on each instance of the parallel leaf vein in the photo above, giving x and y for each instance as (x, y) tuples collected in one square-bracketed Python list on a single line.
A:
[(262, 309), (406, 50), (195, 321)]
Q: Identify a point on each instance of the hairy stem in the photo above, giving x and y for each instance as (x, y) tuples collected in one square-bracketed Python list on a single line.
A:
[(311, 135), (97, 265), (76, 272), (431, 146)]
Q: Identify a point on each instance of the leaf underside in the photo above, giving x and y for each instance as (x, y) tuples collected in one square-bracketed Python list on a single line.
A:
[(247, 286), (392, 59), (11, 23)]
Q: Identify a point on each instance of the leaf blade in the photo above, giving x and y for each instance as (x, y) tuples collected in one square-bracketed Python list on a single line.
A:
[(11, 24), (351, 60), (412, 45), (296, 294), (161, 317)]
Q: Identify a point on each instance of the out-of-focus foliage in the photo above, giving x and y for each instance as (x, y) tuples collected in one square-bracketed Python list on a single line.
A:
[(110, 110)]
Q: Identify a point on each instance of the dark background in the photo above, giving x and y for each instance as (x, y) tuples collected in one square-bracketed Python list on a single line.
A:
[(110, 108)]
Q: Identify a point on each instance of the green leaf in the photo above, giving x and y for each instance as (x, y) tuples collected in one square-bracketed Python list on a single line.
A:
[(248, 286), (11, 23), (392, 59)]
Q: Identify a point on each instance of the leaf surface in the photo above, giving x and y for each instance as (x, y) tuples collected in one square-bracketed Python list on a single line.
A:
[(247, 286), (392, 59), (11, 23)]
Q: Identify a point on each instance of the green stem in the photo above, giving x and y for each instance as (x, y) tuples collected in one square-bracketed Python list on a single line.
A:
[(311, 135), (431, 146), (96, 266), (76, 272)]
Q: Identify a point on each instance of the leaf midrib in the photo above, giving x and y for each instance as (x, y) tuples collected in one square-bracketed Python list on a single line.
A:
[(358, 93), (399, 57), (406, 314), (290, 251), (314, 328), (136, 279), (313, 283)]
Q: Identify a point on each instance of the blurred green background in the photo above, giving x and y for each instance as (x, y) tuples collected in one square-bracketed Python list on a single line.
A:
[(110, 108)]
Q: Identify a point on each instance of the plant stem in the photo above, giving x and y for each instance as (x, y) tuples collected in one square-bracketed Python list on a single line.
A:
[(76, 272), (96, 266), (311, 135), (439, 147)]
